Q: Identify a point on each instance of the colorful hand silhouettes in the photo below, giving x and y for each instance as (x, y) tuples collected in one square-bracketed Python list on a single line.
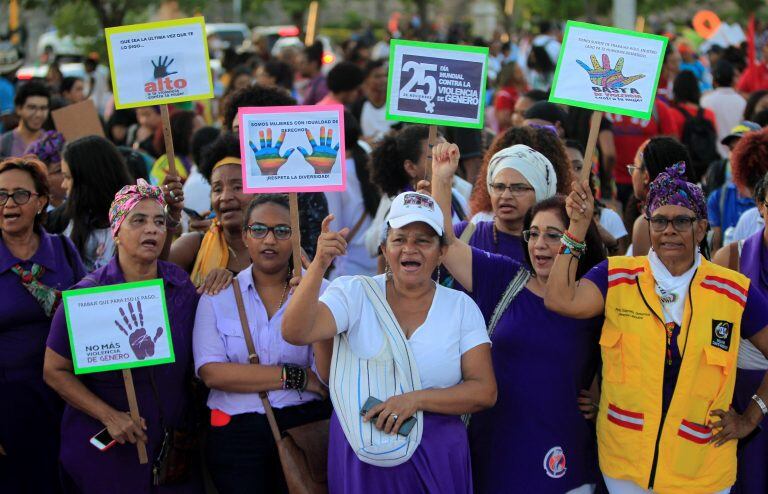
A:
[(142, 344), (323, 156), (268, 157), (606, 76)]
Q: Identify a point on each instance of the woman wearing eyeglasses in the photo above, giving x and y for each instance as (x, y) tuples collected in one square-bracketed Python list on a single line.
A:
[(541, 360), (34, 268), (504, 192), (241, 452), (670, 342)]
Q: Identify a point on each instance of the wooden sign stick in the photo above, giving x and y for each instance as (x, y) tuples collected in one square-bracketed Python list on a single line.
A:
[(133, 406), (594, 131), (168, 138), (293, 203), (309, 38), (432, 140)]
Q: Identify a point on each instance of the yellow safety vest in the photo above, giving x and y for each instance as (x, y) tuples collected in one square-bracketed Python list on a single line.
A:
[(672, 454)]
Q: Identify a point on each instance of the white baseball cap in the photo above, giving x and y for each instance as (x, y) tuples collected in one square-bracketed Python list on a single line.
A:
[(412, 207)]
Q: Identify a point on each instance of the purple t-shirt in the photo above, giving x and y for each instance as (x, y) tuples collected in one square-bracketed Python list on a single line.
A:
[(95, 471), (482, 238), (753, 320), (541, 361)]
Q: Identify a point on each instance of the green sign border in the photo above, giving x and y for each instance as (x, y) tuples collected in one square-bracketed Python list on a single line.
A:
[(646, 115), (157, 25), (448, 48), (117, 288)]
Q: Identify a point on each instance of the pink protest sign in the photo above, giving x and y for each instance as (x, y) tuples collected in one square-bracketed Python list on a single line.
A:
[(293, 148)]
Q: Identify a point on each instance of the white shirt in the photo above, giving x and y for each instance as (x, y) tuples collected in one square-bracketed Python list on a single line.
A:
[(99, 248), (550, 44), (373, 121), (611, 221), (728, 107), (197, 191), (454, 325), (347, 207), (749, 223)]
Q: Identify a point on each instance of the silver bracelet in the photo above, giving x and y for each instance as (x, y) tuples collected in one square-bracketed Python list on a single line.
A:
[(760, 403)]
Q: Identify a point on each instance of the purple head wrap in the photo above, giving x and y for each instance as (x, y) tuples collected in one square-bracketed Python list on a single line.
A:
[(671, 188), (48, 148), (127, 199)]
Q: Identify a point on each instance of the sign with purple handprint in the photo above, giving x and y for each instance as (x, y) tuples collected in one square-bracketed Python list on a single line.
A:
[(437, 83), (118, 326), (293, 148), (608, 69), (159, 62)]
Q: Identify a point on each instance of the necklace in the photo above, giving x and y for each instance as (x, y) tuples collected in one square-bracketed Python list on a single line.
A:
[(282, 297)]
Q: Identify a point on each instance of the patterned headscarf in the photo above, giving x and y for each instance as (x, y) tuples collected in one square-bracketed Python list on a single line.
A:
[(127, 199), (48, 148), (671, 188)]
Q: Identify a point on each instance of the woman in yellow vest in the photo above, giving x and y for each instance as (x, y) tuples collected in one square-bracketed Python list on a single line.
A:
[(669, 343)]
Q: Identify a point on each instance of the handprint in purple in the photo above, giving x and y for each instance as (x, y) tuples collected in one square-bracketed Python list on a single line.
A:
[(142, 344)]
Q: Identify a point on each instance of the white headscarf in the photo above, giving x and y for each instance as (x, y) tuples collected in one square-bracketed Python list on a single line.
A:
[(531, 164)]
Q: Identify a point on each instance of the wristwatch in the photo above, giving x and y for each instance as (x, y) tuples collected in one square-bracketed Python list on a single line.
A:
[(760, 403)]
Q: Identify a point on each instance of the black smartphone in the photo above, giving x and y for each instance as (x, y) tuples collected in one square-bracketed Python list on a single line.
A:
[(193, 214), (404, 430)]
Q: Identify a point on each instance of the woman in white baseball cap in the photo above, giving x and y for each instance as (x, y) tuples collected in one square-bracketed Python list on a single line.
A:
[(420, 350)]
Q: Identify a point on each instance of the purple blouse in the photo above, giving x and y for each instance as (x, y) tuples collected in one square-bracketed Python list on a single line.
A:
[(25, 326), (94, 471)]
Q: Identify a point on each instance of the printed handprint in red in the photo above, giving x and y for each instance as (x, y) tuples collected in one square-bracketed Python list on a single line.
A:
[(142, 344)]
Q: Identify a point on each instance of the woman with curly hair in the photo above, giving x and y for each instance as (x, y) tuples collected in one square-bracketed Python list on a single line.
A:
[(749, 162), (397, 164), (505, 191)]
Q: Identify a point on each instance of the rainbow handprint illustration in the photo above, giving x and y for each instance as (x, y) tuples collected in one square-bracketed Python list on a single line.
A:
[(268, 157), (323, 156), (607, 77)]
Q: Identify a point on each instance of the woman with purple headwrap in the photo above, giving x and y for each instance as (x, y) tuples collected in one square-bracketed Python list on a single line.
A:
[(97, 401), (48, 149), (670, 342)]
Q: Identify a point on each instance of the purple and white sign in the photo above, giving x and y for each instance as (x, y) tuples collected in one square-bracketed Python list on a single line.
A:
[(437, 84)]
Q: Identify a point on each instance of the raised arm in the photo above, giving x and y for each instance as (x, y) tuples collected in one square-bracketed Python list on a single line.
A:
[(564, 295), (458, 258), (306, 320)]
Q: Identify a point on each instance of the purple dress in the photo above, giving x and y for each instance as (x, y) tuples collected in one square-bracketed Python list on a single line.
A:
[(482, 238), (430, 469), (752, 476), (534, 440), (117, 470), (30, 412)]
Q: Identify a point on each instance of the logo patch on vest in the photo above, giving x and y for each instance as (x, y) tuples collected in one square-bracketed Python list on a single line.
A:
[(721, 334), (554, 462)]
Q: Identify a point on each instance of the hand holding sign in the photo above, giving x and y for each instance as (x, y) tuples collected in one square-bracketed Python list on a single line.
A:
[(268, 157), (142, 344), (606, 76), (323, 156)]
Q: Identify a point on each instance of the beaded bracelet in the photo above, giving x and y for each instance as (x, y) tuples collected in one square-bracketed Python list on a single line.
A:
[(572, 246), (294, 377)]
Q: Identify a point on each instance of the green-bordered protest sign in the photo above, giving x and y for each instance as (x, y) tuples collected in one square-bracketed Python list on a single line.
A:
[(437, 84), (118, 327), (608, 69), (159, 62)]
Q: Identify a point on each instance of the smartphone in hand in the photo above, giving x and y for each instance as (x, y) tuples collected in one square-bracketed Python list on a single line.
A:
[(103, 440), (404, 430)]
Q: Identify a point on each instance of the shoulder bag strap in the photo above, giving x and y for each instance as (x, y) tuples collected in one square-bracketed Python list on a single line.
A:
[(466, 235), (357, 226), (253, 357), (514, 287)]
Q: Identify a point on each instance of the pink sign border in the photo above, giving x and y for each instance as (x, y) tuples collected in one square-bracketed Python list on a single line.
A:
[(244, 155)]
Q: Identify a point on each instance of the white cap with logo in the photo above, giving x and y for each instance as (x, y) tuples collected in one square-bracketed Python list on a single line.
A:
[(412, 207)]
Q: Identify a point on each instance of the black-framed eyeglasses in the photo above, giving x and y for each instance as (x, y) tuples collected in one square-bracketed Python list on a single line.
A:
[(679, 223), (260, 230), (20, 196), (551, 238), (514, 189)]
